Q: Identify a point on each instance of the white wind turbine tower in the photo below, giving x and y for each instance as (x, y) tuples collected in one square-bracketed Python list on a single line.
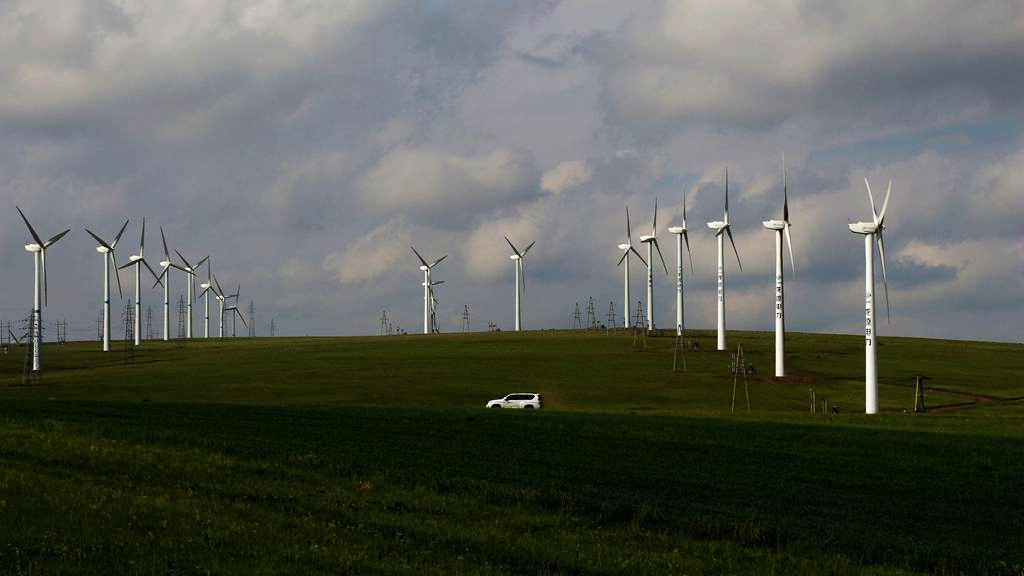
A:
[(429, 322), (139, 260), (652, 243), (38, 250), (681, 236), (520, 276), (626, 249), (190, 289), (720, 226), (108, 255), (165, 277), (872, 232), (780, 227)]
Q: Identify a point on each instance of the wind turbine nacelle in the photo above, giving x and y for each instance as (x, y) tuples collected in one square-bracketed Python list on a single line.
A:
[(134, 258), (773, 224), (164, 263), (623, 246), (677, 230), (424, 268), (33, 248), (863, 227), (646, 238), (716, 225), (514, 257), (102, 249), (205, 285)]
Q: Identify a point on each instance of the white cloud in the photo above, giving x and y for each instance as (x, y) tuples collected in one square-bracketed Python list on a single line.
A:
[(372, 256), (566, 175)]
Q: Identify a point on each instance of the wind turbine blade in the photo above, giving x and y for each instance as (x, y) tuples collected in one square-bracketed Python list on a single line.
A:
[(885, 204), (142, 239), (31, 230), (654, 224), (160, 277), (638, 255), (629, 237), (118, 237), (241, 317), (686, 239), (167, 253), (219, 291), (148, 267), (658, 248), (120, 294), (98, 239), (528, 248), (438, 261), (789, 242), (436, 283), (885, 281), (728, 231), (522, 274), (785, 192), (513, 247), (187, 265), (623, 257), (53, 240), (684, 211), (726, 218), (424, 262), (871, 199)]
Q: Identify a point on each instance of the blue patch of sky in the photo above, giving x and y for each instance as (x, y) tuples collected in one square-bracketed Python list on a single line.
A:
[(971, 138)]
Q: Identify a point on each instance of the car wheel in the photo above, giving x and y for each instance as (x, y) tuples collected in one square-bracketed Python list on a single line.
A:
[(496, 406), (528, 406)]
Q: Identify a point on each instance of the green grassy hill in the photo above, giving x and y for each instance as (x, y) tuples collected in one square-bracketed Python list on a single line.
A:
[(375, 455)]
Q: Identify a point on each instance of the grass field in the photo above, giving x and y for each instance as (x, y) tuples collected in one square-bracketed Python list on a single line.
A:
[(375, 455)]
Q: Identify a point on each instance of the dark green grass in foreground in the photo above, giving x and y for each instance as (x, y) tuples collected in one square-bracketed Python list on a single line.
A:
[(375, 455), (171, 488)]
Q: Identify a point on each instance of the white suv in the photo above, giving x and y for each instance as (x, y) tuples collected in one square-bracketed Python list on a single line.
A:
[(518, 400)]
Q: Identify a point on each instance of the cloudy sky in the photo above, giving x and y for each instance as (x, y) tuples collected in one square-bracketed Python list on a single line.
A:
[(305, 145)]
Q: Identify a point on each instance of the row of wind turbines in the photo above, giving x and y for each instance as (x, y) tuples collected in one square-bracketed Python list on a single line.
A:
[(137, 261), (872, 232)]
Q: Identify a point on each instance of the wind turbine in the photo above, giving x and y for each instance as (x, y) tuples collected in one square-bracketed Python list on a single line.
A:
[(235, 312), (108, 255), (38, 250), (680, 232), (872, 232), (626, 249), (190, 289), (428, 292), (720, 226), (218, 292), (520, 276), (652, 243), (165, 277), (207, 287), (780, 227), (139, 260)]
